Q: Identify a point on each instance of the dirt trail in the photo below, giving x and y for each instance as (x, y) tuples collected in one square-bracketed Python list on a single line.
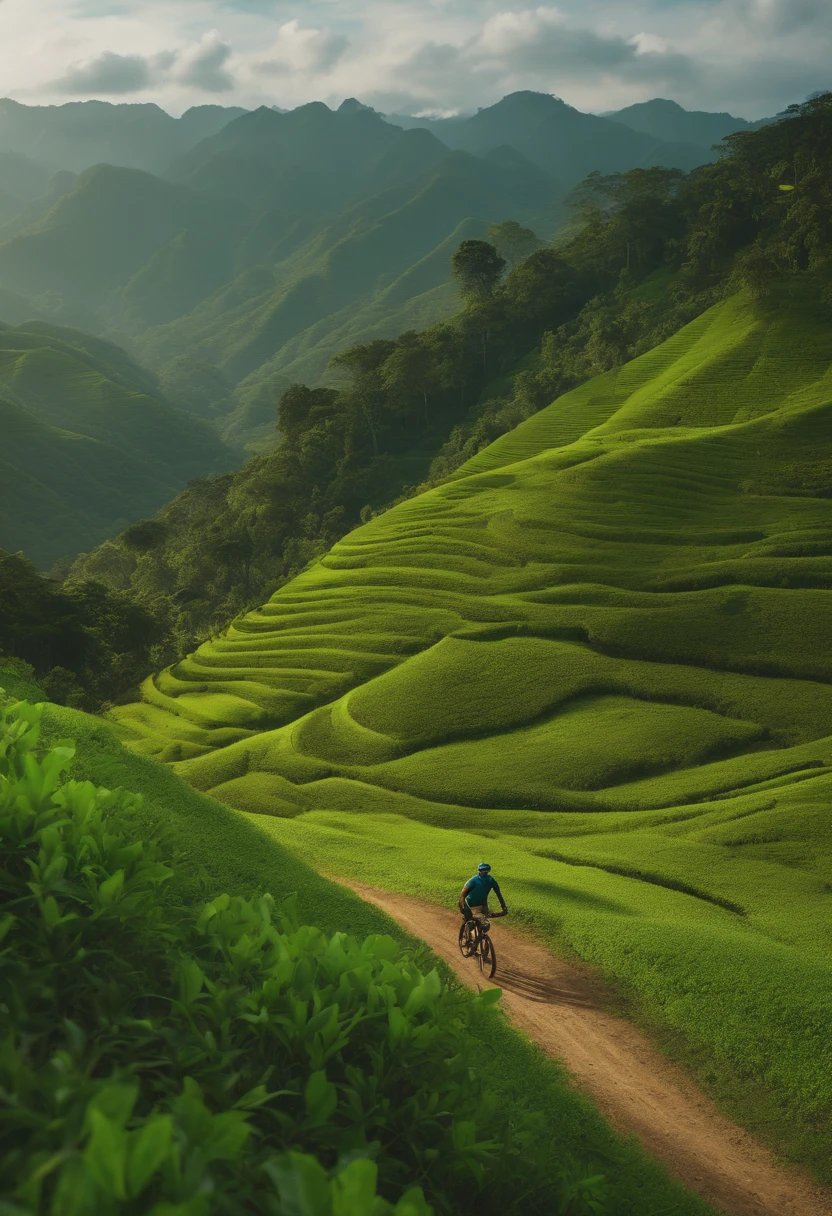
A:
[(562, 1008)]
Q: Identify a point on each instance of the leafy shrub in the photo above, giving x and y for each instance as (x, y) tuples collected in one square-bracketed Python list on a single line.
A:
[(179, 1062)]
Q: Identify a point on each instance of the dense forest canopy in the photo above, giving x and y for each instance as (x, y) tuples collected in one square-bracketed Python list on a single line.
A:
[(647, 250)]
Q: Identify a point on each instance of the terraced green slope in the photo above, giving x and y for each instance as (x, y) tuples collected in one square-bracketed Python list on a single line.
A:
[(601, 653)]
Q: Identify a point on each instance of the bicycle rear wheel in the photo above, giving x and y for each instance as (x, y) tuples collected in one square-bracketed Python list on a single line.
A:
[(467, 939), (488, 957)]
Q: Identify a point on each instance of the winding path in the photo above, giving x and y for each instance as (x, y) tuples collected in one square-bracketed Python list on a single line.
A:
[(561, 1006)]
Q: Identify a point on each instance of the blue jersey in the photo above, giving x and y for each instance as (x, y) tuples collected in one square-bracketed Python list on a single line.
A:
[(478, 888)]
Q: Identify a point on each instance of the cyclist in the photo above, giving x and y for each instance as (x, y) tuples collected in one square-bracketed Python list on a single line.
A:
[(473, 898)]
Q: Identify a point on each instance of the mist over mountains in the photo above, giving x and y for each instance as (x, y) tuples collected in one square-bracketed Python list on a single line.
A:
[(235, 252)]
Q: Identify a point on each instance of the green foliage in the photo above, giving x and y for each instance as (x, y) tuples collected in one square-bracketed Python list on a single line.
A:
[(513, 241), (477, 267), (159, 1057), (86, 643)]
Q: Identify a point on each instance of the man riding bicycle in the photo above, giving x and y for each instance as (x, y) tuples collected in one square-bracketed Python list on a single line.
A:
[(473, 898)]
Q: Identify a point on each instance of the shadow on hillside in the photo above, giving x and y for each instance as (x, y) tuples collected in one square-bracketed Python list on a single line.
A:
[(556, 891)]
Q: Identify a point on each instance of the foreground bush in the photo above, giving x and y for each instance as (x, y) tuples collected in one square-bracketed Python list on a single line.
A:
[(179, 1062)]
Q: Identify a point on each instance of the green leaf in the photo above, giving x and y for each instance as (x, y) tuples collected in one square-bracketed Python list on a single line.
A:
[(413, 1203), (111, 888), (321, 1099), (191, 981), (229, 1133), (50, 912), (198, 1206), (147, 1150), (105, 1154), (489, 996), (302, 1184), (397, 1025), (116, 1101), (354, 1189)]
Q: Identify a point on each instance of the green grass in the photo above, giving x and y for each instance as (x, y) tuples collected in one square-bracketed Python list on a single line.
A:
[(218, 849), (601, 653), (90, 444)]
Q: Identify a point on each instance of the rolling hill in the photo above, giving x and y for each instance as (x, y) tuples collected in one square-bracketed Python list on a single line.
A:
[(89, 442), (600, 652)]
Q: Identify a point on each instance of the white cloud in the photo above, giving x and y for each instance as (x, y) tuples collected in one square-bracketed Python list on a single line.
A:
[(646, 44), (106, 74), (299, 49), (748, 56), (204, 65)]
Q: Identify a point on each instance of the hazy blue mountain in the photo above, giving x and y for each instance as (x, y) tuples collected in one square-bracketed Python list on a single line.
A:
[(267, 240), (166, 246), (563, 141), (667, 120), (255, 328), (89, 441), (22, 176), (310, 159), (83, 133)]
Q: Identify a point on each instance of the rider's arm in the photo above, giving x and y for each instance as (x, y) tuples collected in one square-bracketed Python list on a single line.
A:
[(462, 895), (498, 893)]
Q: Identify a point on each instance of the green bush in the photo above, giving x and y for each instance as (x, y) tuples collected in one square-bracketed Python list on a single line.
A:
[(164, 1059)]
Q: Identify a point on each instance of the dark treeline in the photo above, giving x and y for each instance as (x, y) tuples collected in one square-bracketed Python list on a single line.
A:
[(646, 251), (85, 642)]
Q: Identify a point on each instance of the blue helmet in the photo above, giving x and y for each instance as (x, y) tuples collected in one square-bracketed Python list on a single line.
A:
[(483, 867)]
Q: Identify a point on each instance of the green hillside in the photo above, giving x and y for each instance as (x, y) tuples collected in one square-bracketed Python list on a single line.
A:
[(533, 1133), (601, 653), (90, 444), (373, 271), (123, 229)]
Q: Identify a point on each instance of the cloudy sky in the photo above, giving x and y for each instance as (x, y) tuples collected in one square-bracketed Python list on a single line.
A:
[(751, 57)]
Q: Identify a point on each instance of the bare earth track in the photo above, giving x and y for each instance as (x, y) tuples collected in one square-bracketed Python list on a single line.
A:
[(561, 1007)]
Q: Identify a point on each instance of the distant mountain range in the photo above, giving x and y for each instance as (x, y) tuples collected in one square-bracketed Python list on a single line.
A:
[(234, 252)]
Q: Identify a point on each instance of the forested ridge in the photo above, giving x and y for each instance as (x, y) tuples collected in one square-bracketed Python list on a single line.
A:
[(646, 251)]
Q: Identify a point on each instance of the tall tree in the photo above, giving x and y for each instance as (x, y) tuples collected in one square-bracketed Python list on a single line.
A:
[(513, 242), (477, 267)]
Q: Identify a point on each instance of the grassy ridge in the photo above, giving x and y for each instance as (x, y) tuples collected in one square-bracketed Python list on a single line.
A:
[(602, 657), (218, 849), (90, 442)]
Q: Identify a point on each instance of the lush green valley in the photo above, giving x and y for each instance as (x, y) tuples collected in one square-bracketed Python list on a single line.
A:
[(598, 650), (539, 571), (235, 253)]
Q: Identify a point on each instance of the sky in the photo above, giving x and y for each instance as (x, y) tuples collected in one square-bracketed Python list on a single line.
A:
[(750, 57)]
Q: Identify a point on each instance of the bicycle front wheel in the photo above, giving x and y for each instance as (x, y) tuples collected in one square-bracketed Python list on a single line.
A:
[(488, 957), (467, 939)]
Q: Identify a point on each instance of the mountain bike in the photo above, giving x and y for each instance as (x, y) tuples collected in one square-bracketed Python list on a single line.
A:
[(474, 942)]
